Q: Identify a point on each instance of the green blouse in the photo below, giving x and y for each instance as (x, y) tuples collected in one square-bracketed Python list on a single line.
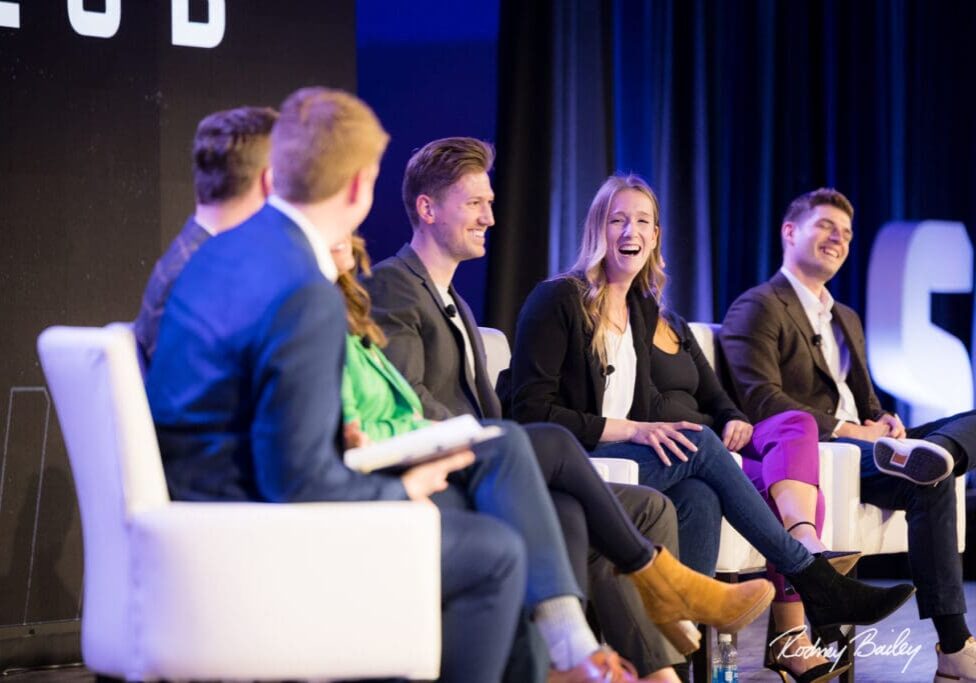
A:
[(375, 393)]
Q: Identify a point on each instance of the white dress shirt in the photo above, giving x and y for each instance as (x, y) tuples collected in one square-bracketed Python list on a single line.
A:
[(448, 300), (832, 344)]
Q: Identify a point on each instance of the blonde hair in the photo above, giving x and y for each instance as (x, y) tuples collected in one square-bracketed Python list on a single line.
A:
[(358, 303), (439, 164), (590, 265), (323, 137)]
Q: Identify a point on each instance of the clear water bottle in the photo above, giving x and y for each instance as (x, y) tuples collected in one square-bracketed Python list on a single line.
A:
[(725, 663)]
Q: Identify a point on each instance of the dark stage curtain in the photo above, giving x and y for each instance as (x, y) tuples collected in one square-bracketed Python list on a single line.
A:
[(729, 108)]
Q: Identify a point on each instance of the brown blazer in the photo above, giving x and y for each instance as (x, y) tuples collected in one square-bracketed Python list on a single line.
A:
[(774, 365)]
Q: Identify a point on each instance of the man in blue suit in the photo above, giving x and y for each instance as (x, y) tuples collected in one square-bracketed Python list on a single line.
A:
[(245, 384)]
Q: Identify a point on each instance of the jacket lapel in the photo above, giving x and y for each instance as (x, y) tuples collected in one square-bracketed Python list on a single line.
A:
[(413, 262), (643, 317), (394, 378), (643, 321), (794, 311), (485, 393), (858, 378)]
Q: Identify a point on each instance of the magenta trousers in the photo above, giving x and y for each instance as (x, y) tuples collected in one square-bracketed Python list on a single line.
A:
[(784, 446)]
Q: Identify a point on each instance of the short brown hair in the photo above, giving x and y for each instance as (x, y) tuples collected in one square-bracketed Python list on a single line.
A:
[(322, 139), (439, 164), (805, 203), (230, 149)]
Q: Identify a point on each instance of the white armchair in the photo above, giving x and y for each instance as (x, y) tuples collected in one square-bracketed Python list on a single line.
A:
[(228, 590), (849, 524), (499, 356)]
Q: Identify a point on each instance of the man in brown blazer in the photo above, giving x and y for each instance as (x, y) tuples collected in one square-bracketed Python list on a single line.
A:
[(790, 346)]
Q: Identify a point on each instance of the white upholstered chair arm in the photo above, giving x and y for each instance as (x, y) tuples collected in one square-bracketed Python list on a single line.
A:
[(294, 590), (840, 480), (618, 470)]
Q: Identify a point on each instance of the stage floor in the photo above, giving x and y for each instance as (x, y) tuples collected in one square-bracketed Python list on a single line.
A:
[(875, 663)]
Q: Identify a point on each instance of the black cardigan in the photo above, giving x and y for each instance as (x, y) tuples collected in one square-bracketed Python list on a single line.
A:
[(555, 378)]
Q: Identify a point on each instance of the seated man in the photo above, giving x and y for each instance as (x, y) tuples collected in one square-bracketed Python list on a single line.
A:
[(434, 342), (244, 384), (244, 389), (790, 346), (231, 180)]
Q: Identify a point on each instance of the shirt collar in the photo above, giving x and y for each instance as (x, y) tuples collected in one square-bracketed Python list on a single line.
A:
[(206, 228), (321, 250), (813, 305)]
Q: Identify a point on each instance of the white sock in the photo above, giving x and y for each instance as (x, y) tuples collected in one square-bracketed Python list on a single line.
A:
[(564, 628)]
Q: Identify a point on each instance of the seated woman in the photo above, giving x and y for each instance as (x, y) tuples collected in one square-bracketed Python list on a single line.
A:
[(378, 403), (583, 359)]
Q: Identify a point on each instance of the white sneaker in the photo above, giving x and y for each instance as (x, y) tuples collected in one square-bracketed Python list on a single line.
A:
[(922, 462), (959, 667)]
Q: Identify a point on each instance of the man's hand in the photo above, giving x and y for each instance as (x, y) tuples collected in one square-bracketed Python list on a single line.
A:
[(353, 437), (736, 434), (895, 427), (869, 431), (431, 477), (661, 435)]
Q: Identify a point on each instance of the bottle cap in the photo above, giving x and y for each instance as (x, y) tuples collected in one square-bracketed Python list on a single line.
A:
[(725, 637)]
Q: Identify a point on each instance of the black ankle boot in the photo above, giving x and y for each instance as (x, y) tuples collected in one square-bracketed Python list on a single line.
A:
[(831, 598)]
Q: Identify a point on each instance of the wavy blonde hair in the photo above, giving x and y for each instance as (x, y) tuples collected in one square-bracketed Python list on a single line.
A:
[(590, 266), (358, 303)]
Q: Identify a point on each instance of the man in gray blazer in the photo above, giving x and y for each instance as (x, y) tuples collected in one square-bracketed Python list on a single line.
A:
[(434, 342), (789, 346)]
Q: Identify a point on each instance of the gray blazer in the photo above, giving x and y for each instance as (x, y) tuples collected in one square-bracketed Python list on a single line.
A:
[(425, 345)]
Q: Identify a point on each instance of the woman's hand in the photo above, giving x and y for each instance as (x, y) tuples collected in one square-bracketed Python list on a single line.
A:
[(736, 434), (353, 436), (665, 435)]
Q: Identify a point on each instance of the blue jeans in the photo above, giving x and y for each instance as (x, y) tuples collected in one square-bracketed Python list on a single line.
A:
[(711, 474), (505, 483)]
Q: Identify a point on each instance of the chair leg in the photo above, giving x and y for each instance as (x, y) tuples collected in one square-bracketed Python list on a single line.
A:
[(701, 660), (846, 644)]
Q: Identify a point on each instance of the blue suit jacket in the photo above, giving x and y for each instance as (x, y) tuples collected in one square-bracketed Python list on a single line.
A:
[(164, 274), (245, 383)]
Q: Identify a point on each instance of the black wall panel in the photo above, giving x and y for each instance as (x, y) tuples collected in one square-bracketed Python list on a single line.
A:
[(95, 136)]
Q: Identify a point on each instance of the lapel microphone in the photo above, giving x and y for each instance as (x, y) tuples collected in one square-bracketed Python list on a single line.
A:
[(817, 340), (365, 342), (686, 344), (609, 371), (450, 310)]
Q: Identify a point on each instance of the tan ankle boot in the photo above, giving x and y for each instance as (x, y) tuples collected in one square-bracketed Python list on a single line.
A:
[(672, 592)]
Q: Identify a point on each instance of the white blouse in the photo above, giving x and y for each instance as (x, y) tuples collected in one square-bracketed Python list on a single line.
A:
[(618, 394)]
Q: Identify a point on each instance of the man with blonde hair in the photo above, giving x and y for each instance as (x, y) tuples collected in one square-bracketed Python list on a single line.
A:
[(245, 383), (434, 342)]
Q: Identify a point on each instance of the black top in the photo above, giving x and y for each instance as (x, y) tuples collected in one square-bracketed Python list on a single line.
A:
[(690, 389), (555, 377)]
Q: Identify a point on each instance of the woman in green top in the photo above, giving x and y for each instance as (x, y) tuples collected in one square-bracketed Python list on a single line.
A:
[(378, 403)]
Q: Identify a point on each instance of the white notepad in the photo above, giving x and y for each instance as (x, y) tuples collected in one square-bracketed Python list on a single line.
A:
[(421, 445)]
